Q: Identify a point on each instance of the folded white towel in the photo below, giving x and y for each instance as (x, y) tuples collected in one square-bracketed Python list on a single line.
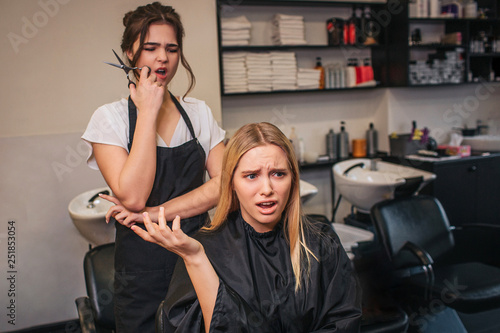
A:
[(244, 35), (234, 23), (286, 17), (235, 43)]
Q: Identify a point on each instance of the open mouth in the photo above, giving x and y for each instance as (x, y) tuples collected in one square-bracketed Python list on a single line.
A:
[(161, 72), (266, 205)]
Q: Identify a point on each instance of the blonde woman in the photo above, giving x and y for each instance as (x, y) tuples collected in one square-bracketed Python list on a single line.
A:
[(260, 266)]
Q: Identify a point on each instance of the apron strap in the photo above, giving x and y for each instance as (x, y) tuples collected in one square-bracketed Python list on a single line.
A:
[(132, 117), (132, 120), (184, 115)]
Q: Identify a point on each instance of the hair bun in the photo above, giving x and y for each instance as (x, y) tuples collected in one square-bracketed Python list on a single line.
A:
[(126, 18)]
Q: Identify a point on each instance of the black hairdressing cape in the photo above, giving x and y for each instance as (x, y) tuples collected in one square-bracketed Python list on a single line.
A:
[(256, 289)]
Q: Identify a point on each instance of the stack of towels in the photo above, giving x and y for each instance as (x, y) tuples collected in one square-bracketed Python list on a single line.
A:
[(259, 71), (284, 69), (235, 31), (308, 78), (288, 30), (235, 72)]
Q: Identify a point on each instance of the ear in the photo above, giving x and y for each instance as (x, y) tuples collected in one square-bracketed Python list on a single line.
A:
[(130, 56)]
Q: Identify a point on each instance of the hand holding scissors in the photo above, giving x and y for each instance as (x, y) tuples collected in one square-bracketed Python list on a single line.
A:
[(126, 68)]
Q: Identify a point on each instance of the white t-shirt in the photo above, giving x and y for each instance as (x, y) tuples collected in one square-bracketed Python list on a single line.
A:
[(110, 125)]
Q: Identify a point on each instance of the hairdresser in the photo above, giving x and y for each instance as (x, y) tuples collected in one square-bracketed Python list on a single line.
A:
[(153, 150)]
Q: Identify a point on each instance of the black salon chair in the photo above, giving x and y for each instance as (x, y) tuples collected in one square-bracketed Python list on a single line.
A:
[(420, 245), (96, 311)]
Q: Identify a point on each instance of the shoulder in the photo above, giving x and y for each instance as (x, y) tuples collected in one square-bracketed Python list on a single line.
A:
[(117, 109), (321, 238), (194, 104)]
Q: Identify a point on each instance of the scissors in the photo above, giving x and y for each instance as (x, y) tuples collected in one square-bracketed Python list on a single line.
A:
[(126, 68)]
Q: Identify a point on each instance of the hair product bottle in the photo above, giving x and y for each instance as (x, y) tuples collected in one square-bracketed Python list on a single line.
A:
[(331, 145), (371, 141), (319, 66), (343, 142)]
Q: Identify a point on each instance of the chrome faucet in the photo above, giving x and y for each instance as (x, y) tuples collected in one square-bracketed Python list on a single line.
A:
[(373, 164)]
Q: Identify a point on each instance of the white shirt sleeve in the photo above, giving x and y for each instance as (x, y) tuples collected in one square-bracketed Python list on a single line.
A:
[(108, 125)]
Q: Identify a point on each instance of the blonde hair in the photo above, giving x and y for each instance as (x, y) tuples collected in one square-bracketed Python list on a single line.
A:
[(249, 137)]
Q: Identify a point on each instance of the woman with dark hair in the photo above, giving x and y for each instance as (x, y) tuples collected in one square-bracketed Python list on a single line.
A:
[(261, 265), (153, 150)]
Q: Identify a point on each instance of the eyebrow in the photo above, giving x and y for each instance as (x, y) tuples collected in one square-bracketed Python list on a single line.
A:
[(249, 172), (259, 170), (158, 44)]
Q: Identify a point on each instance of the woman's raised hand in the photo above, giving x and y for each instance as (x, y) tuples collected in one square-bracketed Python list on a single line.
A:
[(174, 240), (148, 93)]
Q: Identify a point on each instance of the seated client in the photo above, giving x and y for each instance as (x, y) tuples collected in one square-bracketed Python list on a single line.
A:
[(261, 265)]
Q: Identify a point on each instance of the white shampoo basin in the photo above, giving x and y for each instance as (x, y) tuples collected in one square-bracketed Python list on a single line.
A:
[(363, 187), (90, 219), (307, 190)]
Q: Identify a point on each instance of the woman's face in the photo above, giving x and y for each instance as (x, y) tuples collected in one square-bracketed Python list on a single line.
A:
[(160, 52), (262, 181)]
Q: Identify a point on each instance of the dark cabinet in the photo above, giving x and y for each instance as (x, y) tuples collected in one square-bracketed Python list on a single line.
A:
[(468, 189)]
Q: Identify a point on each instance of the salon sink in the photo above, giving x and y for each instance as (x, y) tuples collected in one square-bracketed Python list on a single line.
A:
[(483, 143), (89, 217), (364, 186), (307, 190)]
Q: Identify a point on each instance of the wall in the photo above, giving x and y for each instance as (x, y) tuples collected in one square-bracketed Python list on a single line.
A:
[(391, 110), (54, 78)]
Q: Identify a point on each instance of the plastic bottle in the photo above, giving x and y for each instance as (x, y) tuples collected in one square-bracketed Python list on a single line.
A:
[(343, 142), (369, 28), (301, 151), (371, 141), (295, 142), (319, 66), (350, 73), (331, 145), (352, 26)]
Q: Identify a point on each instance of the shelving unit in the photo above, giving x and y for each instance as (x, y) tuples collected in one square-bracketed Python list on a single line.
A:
[(476, 66), (316, 14), (391, 57)]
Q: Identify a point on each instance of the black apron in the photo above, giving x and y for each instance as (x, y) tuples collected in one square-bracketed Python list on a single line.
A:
[(143, 270)]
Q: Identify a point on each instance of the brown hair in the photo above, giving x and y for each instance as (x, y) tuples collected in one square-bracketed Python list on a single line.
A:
[(248, 137), (137, 23)]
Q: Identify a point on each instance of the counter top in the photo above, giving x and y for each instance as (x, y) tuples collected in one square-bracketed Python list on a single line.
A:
[(414, 160)]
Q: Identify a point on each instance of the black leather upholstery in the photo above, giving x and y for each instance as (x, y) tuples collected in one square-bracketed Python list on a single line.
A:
[(416, 234), (96, 311)]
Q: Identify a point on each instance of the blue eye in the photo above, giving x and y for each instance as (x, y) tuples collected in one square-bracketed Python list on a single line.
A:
[(251, 176), (279, 174)]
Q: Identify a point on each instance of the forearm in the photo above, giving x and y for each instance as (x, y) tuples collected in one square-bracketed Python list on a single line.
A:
[(205, 282), (195, 202), (137, 177)]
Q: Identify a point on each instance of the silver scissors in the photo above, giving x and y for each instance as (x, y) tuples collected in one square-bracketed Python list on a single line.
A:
[(125, 68)]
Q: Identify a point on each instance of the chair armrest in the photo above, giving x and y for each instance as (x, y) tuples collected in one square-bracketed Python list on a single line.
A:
[(405, 268), (424, 257), (85, 314)]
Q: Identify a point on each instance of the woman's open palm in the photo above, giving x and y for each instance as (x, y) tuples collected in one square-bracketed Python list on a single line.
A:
[(174, 240)]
